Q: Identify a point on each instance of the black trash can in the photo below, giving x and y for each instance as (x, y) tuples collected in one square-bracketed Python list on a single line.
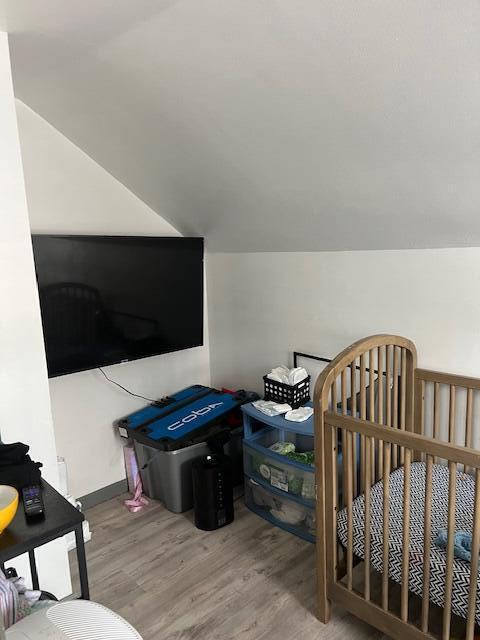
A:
[(213, 491)]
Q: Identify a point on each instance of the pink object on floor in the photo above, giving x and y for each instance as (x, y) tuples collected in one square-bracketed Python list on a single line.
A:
[(138, 501)]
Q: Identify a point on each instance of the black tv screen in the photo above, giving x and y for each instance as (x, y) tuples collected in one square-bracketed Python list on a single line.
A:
[(107, 299)]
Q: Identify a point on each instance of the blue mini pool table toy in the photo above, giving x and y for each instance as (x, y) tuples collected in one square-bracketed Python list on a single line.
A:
[(179, 420), (170, 434)]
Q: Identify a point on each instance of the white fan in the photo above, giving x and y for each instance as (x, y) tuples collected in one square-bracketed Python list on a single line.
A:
[(73, 620)]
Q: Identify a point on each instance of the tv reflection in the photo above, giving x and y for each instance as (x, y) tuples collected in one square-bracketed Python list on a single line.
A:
[(79, 328)]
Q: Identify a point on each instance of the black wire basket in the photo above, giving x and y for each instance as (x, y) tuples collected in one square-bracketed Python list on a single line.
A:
[(295, 395)]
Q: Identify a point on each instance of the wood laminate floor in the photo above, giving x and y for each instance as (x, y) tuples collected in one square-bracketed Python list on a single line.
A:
[(247, 581)]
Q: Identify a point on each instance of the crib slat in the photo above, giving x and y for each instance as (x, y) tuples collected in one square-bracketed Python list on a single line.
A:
[(468, 423), (447, 605), (345, 459), (427, 530), (380, 379), (353, 388), (406, 534), (334, 396), (388, 391), (347, 469), (451, 416), (386, 521), (420, 399), (353, 397), (472, 596), (403, 396), (395, 388), (403, 387), (395, 403), (353, 463), (371, 389), (363, 395), (436, 413), (419, 412), (335, 492), (363, 416), (371, 386), (368, 476), (331, 501)]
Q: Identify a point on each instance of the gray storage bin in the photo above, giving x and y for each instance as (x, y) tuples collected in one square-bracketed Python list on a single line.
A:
[(168, 476)]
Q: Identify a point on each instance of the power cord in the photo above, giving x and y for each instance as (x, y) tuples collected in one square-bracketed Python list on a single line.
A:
[(136, 395)]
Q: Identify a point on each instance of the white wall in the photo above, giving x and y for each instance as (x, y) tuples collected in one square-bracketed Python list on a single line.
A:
[(263, 306), (25, 412), (68, 192)]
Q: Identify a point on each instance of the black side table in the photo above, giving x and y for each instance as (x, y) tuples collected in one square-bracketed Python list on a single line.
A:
[(60, 518)]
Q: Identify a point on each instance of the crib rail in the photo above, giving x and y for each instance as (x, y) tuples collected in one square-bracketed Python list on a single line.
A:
[(340, 433), (447, 407)]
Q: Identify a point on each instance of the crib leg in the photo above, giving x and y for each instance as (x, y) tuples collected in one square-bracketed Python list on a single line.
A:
[(324, 610), (323, 603)]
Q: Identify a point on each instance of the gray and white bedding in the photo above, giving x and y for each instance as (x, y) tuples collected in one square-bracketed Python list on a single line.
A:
[(465, 489)]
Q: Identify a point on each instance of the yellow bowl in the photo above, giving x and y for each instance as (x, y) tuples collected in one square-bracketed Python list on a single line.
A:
[(8, 505)]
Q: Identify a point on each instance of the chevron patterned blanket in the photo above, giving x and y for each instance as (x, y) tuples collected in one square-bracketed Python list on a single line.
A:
[(465, 489)]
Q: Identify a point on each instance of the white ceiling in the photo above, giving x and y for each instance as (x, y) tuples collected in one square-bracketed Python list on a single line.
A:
[(270, 125)]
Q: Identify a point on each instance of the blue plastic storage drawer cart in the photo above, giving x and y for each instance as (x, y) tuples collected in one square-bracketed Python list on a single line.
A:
[(277, 488)]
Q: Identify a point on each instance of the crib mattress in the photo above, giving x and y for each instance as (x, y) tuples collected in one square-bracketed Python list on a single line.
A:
[(465, 486)]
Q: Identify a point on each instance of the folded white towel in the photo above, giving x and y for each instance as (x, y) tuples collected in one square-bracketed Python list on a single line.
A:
[(297, 375), (270, 408), (279, 374), (299, 415), (288, 376)]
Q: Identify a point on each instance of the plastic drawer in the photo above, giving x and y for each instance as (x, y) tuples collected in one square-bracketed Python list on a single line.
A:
[(279, 471), (280, 509)]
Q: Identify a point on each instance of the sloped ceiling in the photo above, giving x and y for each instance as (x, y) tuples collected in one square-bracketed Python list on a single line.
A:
[(270, 125)]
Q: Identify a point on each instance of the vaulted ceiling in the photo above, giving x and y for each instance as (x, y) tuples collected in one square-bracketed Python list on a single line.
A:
[(270, 125)]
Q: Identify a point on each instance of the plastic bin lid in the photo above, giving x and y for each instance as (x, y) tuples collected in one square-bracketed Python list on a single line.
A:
[(199, 414)]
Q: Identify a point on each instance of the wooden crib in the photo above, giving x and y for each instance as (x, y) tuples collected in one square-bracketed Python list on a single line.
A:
[(397, 460)]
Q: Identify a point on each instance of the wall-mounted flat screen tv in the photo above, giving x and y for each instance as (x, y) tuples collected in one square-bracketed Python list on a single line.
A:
[(110, 299)]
